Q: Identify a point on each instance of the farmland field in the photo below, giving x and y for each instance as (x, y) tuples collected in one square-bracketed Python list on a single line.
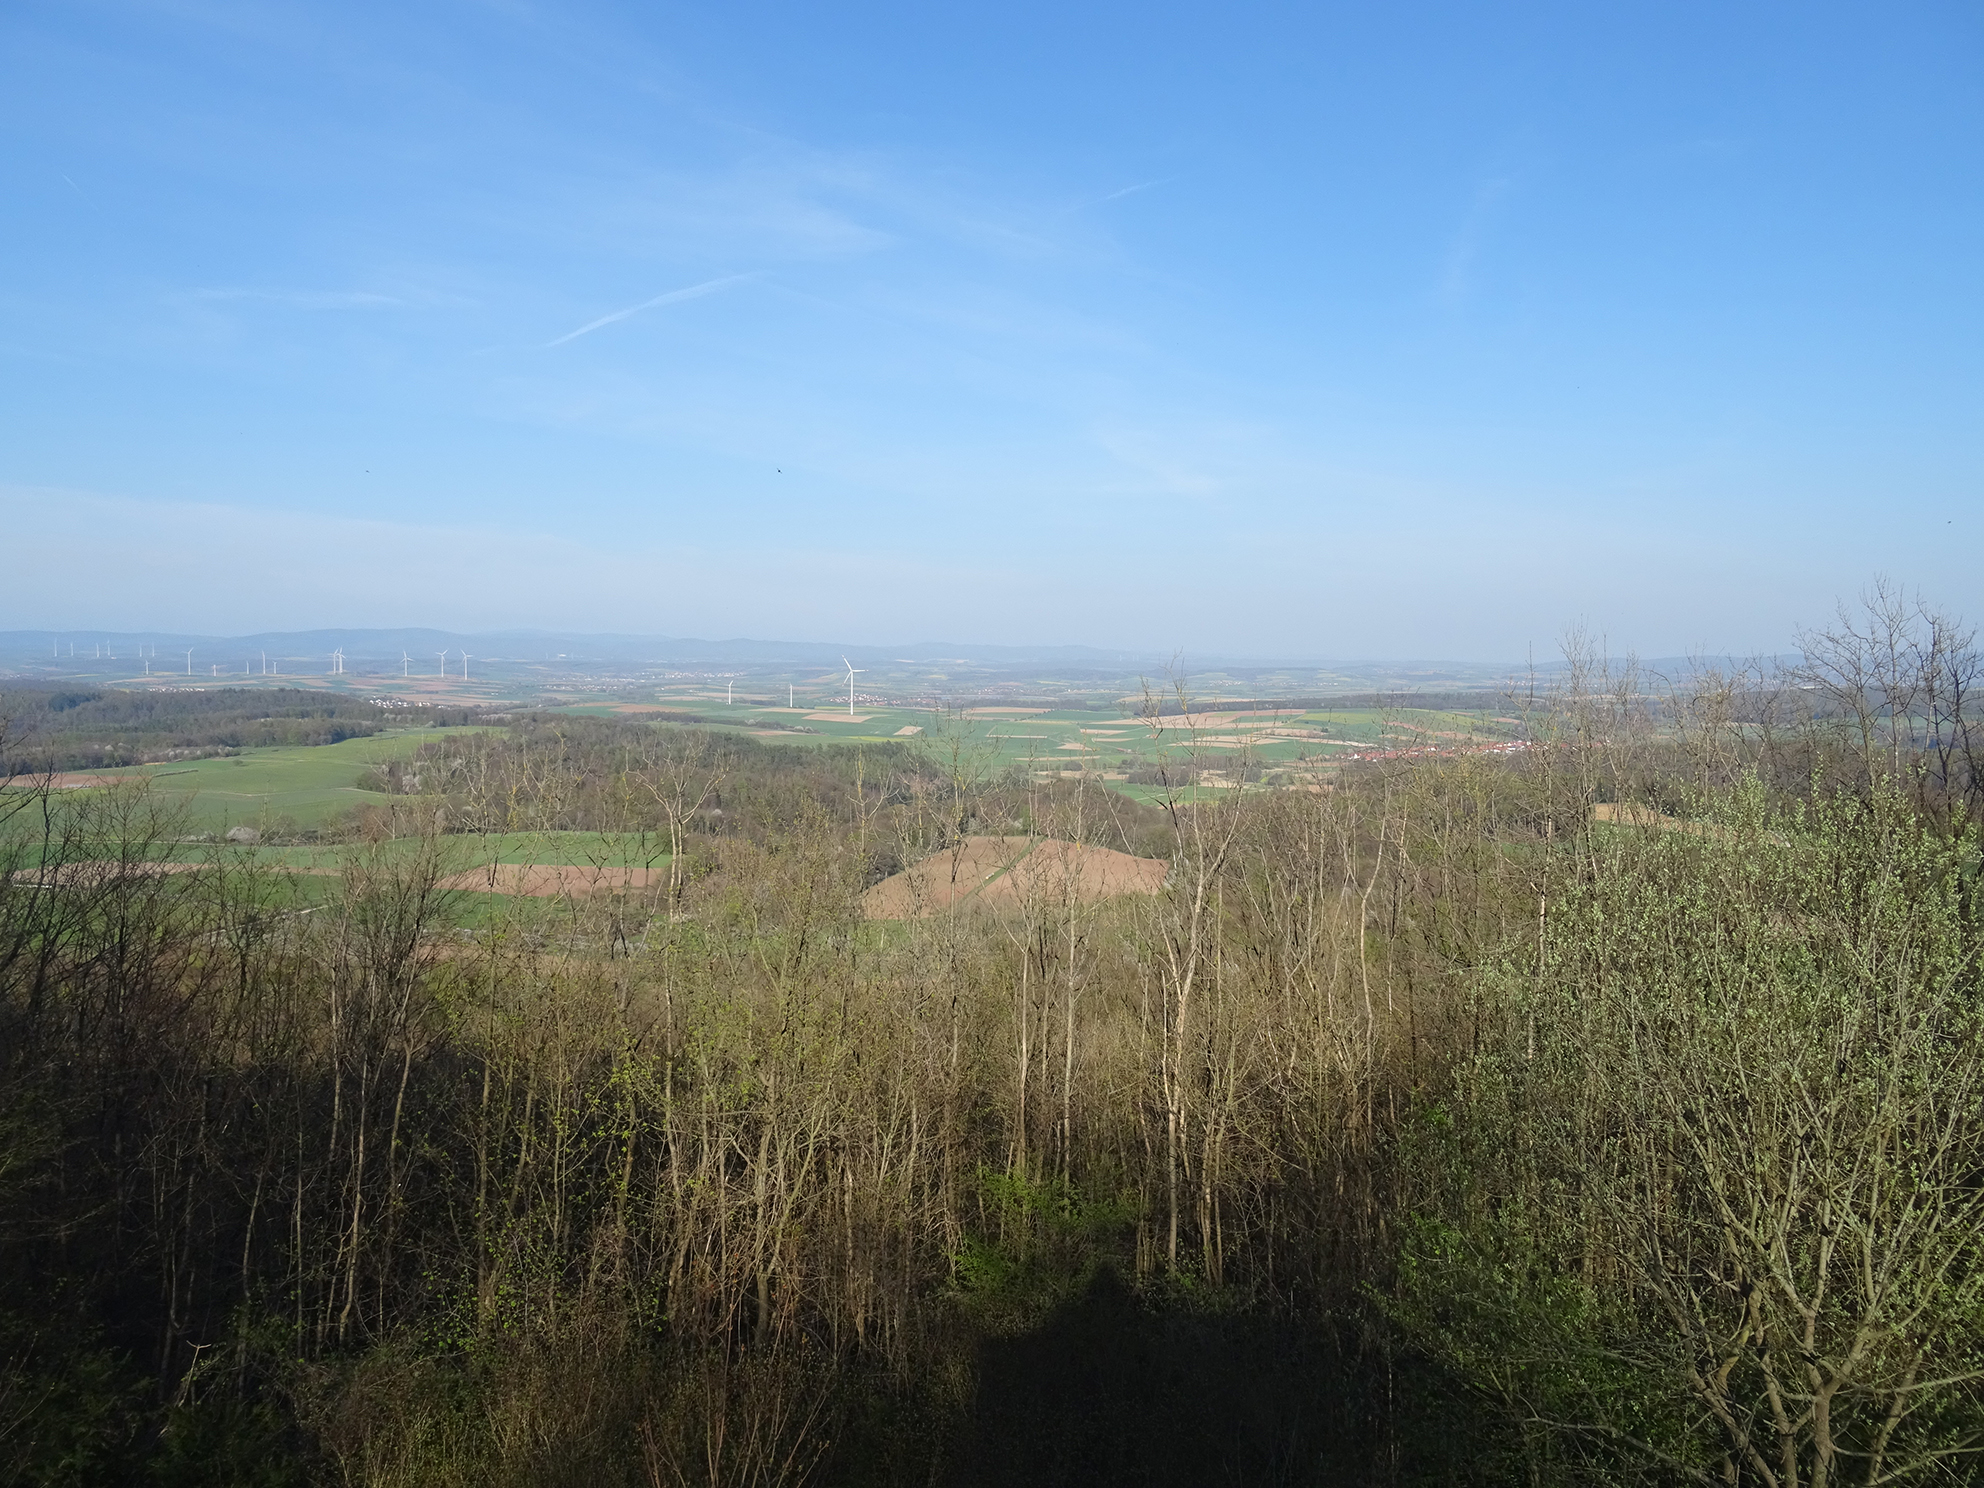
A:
[(308, 785), (1288, 746), (304, 788)]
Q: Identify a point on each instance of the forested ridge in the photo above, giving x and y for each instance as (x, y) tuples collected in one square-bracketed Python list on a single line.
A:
[(1603, 1112), (87, 728)]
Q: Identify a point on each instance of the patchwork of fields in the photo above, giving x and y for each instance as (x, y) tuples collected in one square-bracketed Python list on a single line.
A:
[(287, 789), (283, 791), (1292, 747)]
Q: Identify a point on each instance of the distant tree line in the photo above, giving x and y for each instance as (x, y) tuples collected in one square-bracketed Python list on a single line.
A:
[(69, 728)]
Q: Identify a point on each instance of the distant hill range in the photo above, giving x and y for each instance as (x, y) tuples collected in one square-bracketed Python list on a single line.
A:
[(541, 647), (609, 661)]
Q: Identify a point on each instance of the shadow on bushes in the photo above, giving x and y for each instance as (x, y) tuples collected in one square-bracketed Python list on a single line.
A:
[(1115, 1391)]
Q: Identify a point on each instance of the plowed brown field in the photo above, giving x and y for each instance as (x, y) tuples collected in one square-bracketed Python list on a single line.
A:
[(1002, 872)]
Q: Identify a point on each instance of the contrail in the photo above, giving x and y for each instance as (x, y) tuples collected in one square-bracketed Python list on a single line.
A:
[(694, 291)]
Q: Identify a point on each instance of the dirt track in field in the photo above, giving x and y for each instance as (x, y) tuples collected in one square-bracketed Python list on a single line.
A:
[(93, 872), (1005, 872), (549, 881), (68, 781), (533, 880)]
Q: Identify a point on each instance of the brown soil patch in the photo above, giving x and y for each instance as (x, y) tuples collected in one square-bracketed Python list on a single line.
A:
[(1018, 712), (548, 881), (907, 729), (840, 717), (1002, 872)]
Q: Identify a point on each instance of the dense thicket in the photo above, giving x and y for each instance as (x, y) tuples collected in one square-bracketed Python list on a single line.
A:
[(80, 728), (1441, 1127)]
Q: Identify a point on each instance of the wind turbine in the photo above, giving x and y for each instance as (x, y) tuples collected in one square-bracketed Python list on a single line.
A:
[(851, 670), (444, 663), (189, 661), (788, 697), (728, 689), (464, 666), (406, 663)]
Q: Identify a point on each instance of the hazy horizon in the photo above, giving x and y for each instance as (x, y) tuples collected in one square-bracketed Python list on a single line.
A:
[(771, 650)]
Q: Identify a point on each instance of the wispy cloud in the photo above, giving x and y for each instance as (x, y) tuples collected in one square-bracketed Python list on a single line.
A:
[(693, 292), (1130, 190), (1120, 193), (304, 299), (1457, 270)]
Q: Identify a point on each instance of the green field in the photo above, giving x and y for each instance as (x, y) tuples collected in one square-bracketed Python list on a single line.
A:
[(464, 850), (308, 786)]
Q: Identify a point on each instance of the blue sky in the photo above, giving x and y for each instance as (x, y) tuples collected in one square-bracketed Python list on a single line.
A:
[(1303, 330)]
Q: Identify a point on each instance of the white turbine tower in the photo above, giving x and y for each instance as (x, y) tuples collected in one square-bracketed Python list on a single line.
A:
[(728, 689), (464, 666), (406, 663), (189, 661), (851, 670), (444, 663)]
